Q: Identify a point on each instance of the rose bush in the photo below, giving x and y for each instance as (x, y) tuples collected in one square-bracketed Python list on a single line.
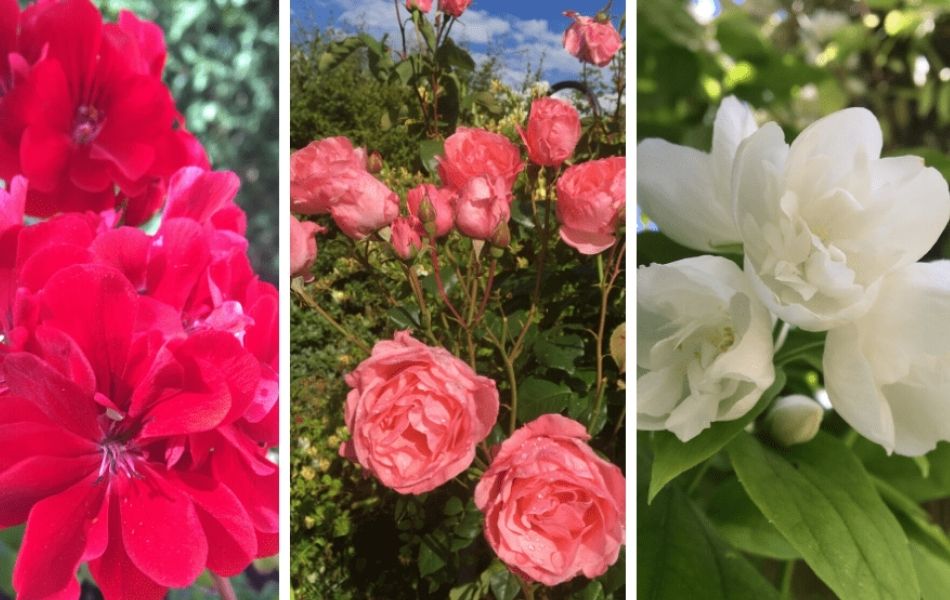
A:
[(461, 328)]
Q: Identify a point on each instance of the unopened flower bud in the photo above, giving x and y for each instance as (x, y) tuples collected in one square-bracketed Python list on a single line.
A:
[(426, 212), (374, 162), (794, 419), (501, 237), (602, 17)]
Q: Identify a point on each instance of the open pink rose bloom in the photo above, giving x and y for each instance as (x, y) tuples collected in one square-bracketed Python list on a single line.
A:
[(416, 414), (553, 508)]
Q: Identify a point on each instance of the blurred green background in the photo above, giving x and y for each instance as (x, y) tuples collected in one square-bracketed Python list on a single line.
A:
[(222, 70)]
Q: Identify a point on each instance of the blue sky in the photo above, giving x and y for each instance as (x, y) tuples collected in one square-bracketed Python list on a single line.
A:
[(523, 30)]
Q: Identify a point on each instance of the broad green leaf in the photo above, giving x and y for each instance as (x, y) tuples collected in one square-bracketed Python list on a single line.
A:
[(430, 560), (7, 560), (680, 556), (743, 525), (468, 591), (428, 150), (933, 569), (905, 473), (671, 457), (558, 350), (592, 591), (819, 497), (504, 584), (450, 55), (539, 396)]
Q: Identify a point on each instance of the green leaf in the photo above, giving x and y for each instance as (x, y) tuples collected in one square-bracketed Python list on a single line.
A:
[(428, 150), (430, 560), (819, 496), (933, 569), (450, 55), (468, 591), (673, 457), (592, 591), (743, 525), (556, 349), (504, 584), (679, 556), (905, 473), (453, 506), (424, 27), (539, 396), (654, 247)]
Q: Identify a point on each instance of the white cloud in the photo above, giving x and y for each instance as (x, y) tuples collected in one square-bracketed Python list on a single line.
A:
[(524, 41)]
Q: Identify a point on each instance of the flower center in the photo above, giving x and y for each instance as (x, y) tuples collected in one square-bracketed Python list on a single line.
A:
[(87, 124), (118, 457)]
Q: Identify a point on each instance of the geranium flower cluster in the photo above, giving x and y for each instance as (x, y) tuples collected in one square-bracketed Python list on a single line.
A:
[(416, 413), (831, 234), (138, 371)]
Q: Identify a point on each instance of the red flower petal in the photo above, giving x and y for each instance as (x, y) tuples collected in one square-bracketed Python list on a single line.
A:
[(55, 540), (232, 542), (114, 572), (161, 531)]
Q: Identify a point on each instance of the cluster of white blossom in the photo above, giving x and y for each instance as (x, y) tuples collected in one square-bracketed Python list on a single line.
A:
[(830, 234)]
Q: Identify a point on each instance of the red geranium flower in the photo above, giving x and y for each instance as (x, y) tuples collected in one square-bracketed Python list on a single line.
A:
[(118, 448), (92, 115)]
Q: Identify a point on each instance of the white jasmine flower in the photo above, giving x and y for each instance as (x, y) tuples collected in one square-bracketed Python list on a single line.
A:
[(688, 193), (704, 345), (888, 373), (824, 220)]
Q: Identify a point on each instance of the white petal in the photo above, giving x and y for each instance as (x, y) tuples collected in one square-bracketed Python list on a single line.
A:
[(676, 189), (840, 139)]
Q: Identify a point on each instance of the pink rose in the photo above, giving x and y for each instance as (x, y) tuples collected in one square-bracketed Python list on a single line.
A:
[(318, 173), (416, 413), (454, 7), (442, 202), (553, 508), (364, 205), (406, 236), (482, 206), (315, 173), (590, 203), (590, 40), (554, 127), (471, 153), (423, 5), (303, 247)]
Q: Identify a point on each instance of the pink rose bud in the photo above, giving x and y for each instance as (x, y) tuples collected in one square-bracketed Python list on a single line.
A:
[(471, 153), (454, 7), (591, 40), (423, 5), (482, 205), (303, 247), (406, 237), (590, 201), (364, 206), (415, 414), (315, 173), (374, 162), (554, 127), (553, 508), (441, 203)]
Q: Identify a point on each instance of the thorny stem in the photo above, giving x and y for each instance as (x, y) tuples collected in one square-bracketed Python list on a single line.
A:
[(488, 288), (298, 288), (437, 274), (421, 301), (223, 585), (615, 261)]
